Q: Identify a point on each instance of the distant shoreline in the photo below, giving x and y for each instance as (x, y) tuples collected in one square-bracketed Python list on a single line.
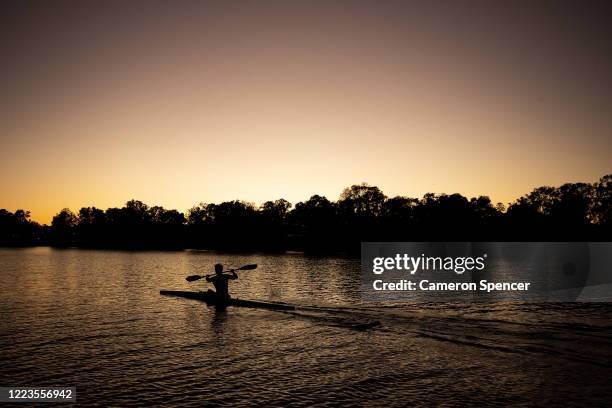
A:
[(363, 213)]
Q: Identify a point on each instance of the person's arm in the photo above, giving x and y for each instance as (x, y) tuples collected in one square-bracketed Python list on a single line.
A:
[(208, 278), (234, 275)]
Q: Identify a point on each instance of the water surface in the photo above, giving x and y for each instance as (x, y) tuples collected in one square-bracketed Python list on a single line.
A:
[(95, 319)]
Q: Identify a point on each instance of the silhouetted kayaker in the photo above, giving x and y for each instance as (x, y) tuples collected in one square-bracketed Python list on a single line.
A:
[(220, 281)]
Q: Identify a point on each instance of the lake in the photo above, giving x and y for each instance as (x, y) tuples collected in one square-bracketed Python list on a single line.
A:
[(95, 320)]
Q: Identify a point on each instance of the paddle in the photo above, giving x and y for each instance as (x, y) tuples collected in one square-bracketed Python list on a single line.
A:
[(242, 268)]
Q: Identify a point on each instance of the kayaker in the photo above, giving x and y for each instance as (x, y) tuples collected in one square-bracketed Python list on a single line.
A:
[(220, 281)]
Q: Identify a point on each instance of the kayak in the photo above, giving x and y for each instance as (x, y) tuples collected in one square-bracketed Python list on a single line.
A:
[(210, 299)]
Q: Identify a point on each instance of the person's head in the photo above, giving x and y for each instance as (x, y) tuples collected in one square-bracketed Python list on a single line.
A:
[(218, 269)]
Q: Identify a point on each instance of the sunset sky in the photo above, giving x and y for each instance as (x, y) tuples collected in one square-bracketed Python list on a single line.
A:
[(174, 103)]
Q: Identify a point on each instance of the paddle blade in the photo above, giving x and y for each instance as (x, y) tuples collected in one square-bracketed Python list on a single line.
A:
[(247, 267), (193, 278)]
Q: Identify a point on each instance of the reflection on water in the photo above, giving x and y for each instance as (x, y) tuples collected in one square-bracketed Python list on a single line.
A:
[(95, 319)]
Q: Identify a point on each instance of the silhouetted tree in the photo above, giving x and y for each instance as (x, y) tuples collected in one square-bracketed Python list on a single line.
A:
[(315, 225), (272, 224), (573, 211), (63, 227), (601, 208), (275, 210), (201, 214), (399, 208), (362, 200), (550, 213), (91, 227), (571, 204), (16, 229), (317, 211)]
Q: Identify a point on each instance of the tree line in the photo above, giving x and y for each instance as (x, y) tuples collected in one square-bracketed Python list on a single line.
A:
[(571, 212)]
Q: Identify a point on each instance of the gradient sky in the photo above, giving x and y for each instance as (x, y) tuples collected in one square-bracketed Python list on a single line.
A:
[(178, 102)]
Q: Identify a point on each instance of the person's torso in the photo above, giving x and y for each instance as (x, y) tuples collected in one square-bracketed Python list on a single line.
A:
[(220, 283)]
